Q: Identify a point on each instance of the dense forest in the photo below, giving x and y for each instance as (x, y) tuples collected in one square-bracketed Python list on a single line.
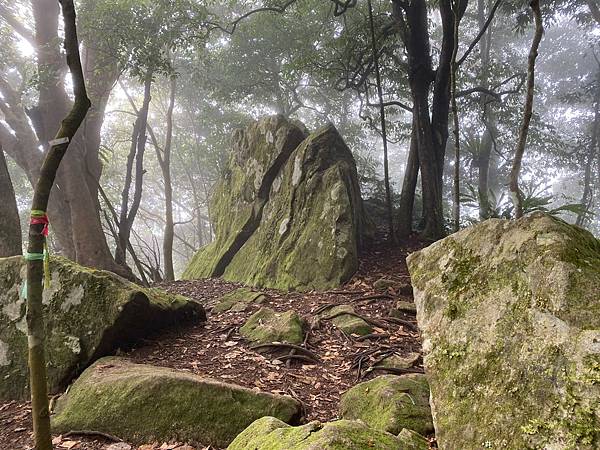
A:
[(299, 157)]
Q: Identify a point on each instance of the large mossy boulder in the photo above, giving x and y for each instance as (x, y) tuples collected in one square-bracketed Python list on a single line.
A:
[(510, 316), (270, 433), (88, 313), (288, 210), (266, 325), (390, 403), (142, 403)]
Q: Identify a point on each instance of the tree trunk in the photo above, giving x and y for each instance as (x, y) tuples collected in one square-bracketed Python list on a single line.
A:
[(386, 173), (128, 213), (456, 131), (409, 185), (35, 267), (515, 191), (165, 165), (10, 226)]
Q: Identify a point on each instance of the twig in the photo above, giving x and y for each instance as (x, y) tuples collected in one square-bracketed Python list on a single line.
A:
[(290, 357)]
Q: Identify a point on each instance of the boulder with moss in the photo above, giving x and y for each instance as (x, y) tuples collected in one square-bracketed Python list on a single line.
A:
[(238, 300), (344, 318), (266, 325), (288, 210), (270, 433), (142, 403), (390, 403), (510, 316), (88, 313)]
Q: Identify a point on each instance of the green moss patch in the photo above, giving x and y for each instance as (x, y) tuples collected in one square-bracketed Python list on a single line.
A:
[(271, 434), (390, 403), (142, 403)]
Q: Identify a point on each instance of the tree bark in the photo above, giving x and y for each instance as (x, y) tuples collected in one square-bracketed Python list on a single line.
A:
[(409, 185), (10, 226), (35, 320), (587, 196), (515, 191), (455, 118)]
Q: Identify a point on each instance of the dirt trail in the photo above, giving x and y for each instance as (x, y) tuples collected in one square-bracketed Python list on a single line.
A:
[(216, 349)]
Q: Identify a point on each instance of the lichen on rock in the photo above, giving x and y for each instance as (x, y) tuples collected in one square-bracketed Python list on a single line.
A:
[(390, 403), (88, 313), (269, 433), (143, 403), (306, 224), (266, 325), (510, 316)]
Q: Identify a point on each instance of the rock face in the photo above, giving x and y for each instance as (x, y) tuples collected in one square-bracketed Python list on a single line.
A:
[(270, 433), (144, 403), (390, 403), (266, 325), (88, 313), (510, 315), (288, 210)]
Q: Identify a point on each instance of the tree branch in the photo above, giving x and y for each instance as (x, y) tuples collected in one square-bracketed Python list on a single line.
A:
[(481, 32)]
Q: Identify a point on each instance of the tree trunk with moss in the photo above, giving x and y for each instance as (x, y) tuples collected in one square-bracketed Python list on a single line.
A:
[(35, 270), (10, 226)]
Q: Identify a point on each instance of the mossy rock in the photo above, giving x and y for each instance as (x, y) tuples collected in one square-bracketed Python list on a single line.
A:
[(400, 362), (88, 314), (390, 403), (142, 403), (403, 307), (269, 433), (238, 300), (510, 316), (266, 325), (383, 284), (288, 210), (413, 440), (348, 323)]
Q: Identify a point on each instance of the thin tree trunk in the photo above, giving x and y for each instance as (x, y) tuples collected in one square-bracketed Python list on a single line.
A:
[(386, 174), (587, 196), (409, 185), (128, 213), (35, 320), (515, 191), (165, 165), (10, 226), (456, 131)]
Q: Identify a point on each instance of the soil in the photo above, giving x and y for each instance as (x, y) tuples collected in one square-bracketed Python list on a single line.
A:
[(215, 349)]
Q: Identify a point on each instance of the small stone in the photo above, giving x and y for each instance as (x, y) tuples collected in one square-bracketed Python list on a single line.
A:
[(402, 308), (400, 362), (119, 446), (383, 284), (238, 300), (348, 323), (266, 325)]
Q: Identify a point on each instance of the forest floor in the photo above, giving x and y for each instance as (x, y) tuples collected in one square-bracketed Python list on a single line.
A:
[(215, 349)]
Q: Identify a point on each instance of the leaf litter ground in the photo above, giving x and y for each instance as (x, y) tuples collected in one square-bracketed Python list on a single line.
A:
[(215, 349)]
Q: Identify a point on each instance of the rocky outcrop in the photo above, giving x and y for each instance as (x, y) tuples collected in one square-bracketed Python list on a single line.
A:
[(88, 313), (270, 433), (266, 325), (288, 210), (142, 403), (510, 316), (390, 403)]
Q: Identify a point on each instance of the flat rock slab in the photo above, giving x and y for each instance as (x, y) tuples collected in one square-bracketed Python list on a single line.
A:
[(88, 313), (238, 300), (288, 210), (266, 325), (390, 403), (270, 433), (348, 323), (143, 403), (510, 316)]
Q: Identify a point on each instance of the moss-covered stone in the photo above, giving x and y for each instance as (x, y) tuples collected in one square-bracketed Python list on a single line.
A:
[(348, 323), (400, 362), (300, 227), (510, 316), (413, 440), (87, 313), (142, 403), (238, 300), (390, 403), (383, 284), (266, 325), (403, 307), (269, 433)]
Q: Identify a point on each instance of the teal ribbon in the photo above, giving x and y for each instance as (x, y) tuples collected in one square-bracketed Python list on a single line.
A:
[(35, 256)]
